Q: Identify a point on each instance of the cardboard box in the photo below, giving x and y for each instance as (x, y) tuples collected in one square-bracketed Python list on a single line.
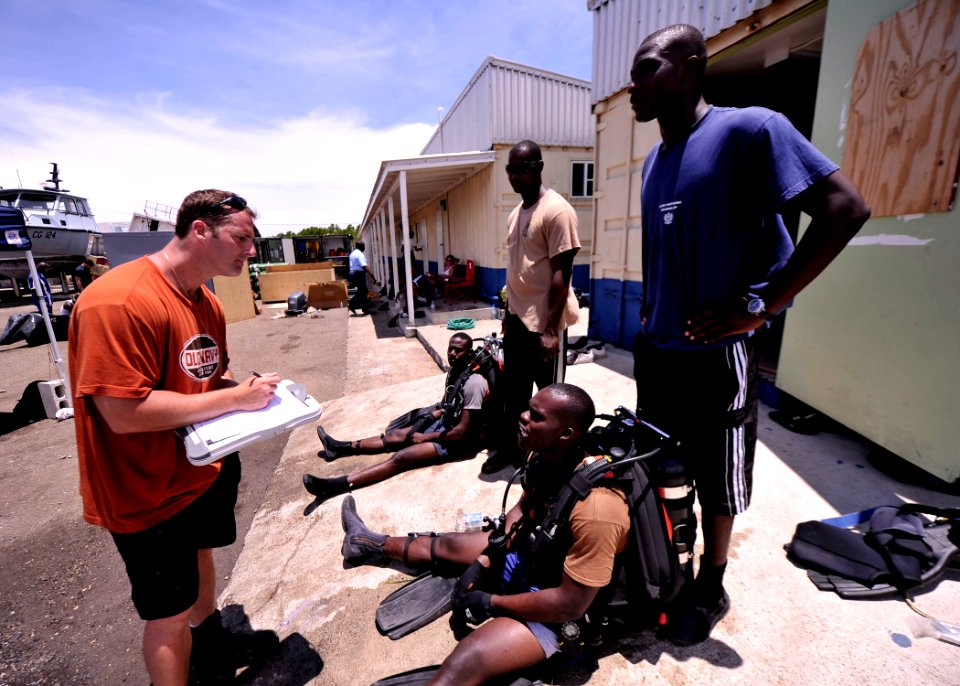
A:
[(277, 286), (324, 296)]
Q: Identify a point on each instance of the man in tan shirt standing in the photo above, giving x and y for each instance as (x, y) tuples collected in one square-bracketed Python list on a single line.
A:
[(542, 241)]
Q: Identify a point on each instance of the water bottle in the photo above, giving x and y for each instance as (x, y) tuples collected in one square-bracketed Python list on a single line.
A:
[(469, 521)]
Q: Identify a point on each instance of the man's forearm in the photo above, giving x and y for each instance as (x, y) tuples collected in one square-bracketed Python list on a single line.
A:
[(461, 430), (164, 410), (556, 301), (838, 212), (560, 276), (547, 605)]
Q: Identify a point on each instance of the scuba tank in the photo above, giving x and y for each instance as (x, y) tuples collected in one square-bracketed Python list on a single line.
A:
[(677, 495)]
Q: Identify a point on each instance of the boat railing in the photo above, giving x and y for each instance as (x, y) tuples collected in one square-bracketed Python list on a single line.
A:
[(159, 210)]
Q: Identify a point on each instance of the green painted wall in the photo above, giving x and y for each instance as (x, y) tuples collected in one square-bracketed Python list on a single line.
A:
[(875, 341)]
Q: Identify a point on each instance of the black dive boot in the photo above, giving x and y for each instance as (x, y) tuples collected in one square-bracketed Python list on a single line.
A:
[(707, 604), (332, 448), (324, 489), (360, 545)]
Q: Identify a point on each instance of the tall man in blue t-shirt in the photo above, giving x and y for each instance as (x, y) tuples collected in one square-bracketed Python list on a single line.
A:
[(717, 265)]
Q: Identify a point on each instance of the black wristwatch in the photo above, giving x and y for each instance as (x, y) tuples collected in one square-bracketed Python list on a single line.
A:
[(757, 307)]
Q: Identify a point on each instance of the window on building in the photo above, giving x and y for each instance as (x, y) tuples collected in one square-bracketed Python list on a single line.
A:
[(581, 184)]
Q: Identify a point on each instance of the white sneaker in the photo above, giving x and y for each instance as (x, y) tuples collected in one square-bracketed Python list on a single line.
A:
[(582, 357)]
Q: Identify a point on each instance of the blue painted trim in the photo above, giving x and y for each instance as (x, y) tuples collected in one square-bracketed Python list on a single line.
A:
[(581, 277), (615, 311), (489, 282)]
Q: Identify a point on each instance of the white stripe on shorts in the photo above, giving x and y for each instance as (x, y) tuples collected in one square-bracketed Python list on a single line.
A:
[(736, 449)]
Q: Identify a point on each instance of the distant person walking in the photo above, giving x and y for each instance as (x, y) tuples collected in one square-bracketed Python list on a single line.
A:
[(718, 263), (542, 241), (148, 354), (358, 279)]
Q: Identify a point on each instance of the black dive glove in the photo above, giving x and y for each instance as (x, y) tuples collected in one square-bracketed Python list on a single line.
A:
[(475, 605)]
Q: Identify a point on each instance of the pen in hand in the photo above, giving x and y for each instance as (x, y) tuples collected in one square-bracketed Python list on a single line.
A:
[(256, 374)]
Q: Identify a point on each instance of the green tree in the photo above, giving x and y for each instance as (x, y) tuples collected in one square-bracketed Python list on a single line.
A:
[(350, 230)]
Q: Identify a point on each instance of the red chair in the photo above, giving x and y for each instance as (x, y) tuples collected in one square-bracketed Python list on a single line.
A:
[(458, 288)]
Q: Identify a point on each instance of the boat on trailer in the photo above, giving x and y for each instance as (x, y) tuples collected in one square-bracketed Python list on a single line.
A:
[(60, 225)]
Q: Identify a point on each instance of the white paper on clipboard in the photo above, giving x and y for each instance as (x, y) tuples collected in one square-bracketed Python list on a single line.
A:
[(291, 406)]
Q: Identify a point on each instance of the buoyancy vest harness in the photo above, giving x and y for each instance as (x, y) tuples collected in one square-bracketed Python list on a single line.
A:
[(895, 551)]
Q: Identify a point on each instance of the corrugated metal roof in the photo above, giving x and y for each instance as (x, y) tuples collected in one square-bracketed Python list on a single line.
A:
[(427, 179), (620, 25), (506, 102)]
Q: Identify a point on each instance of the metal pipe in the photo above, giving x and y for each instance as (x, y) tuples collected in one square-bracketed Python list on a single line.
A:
[(407, 266), (393, 245), (626, 209), (57, 360)]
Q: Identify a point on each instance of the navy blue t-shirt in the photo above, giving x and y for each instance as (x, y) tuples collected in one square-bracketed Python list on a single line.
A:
[(711, 228)]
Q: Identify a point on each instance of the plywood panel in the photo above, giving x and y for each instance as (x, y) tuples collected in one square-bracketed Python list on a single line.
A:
[(903, 137), (236, 296), (298, 267)]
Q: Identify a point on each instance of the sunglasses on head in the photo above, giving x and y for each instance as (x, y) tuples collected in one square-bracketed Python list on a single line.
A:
[(233, 201), (522, 167)]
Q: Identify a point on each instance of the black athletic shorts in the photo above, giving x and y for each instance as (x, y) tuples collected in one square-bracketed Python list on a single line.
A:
[(162, 561), (707, 399)]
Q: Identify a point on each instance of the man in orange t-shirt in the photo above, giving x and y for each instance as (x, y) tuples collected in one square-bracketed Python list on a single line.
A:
[(147, 350)]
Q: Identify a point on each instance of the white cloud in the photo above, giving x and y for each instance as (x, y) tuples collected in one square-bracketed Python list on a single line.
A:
[(316, 169)]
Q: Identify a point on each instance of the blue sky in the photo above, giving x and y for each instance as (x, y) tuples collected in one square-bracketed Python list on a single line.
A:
[(292, 104)]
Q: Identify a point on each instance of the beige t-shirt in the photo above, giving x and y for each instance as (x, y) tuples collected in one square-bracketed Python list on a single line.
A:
[(534, 236), (599, 525)]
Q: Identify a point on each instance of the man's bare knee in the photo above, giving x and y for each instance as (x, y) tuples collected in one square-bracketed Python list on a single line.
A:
[(466, 665), (402, 459)]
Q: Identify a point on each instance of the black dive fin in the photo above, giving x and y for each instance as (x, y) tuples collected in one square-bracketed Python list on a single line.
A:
[(422, 675), (415, 677), (413, 605), (944, 551)]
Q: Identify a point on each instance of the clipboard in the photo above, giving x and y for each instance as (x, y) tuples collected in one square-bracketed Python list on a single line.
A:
[(208, 441)]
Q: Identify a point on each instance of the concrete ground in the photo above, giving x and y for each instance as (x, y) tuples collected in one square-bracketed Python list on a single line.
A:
[(66, 618), (781, 629)]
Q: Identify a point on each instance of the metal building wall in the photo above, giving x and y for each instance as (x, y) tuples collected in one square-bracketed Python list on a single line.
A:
[(506, 102), (616, 275), (540, 106), (873, 341), (620, 25), (468, 124)]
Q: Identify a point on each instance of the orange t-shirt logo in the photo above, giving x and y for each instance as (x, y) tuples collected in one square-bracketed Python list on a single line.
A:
[(200, 357)]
